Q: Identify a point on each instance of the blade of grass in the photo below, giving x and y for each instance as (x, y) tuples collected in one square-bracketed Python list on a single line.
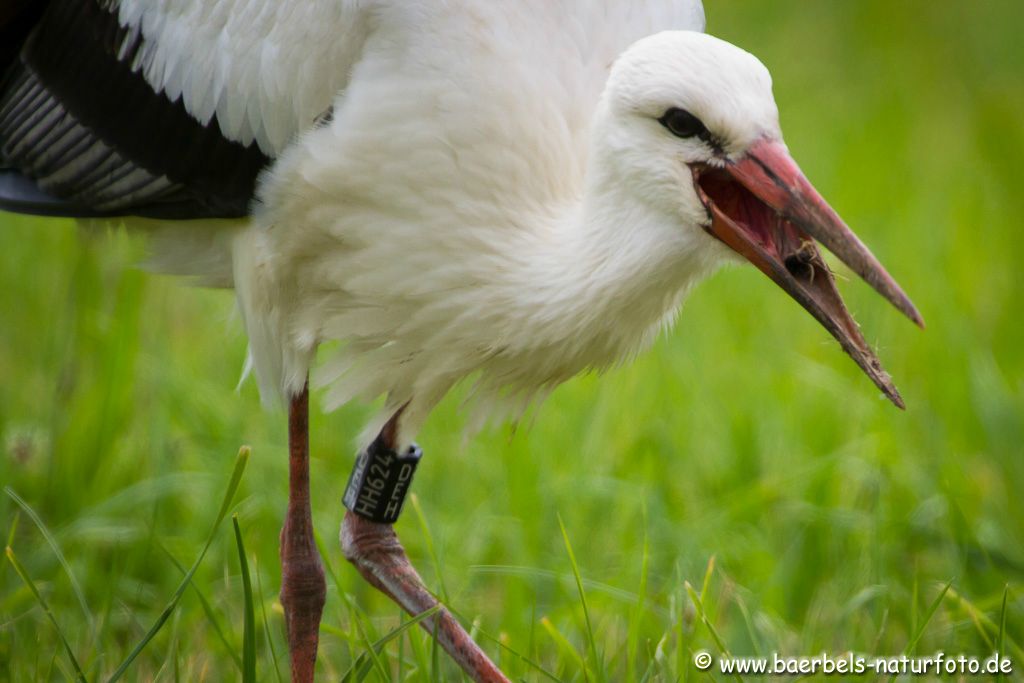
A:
[(236, 476), (975, 615), (551, 575), (656, 658), (564, 645), (61, 666), (707, 579), (428, 538), (591, 644), (633, 637), (435, 666), (474, 635), (368, 649), (699, 605), (401, 645), (704, 588), (13, 529), (419, 652), (682, 632), (10, 536), (325, 560), (207, 609), (249, 618), (1002, 630), (881, 630), (504, 646), (749, 623), (333, 630), (75, 586), (914, 599), (980, 619), (362, 664), (348, 638), (266, 625), (932, 608), (172, 650), (46, 609), (177, 666), (531, 642)]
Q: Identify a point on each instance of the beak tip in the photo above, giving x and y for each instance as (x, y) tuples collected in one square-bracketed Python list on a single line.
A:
[(914, 315), (902, 302), (893, 395)]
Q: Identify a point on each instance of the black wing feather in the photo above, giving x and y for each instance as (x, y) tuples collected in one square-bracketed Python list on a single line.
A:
[(96, 138), (17, 17)]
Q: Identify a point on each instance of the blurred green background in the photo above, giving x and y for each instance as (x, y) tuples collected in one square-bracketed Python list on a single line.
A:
[(745, 436)]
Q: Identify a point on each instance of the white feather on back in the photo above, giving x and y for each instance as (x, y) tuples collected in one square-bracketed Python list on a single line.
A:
[(266, 68)]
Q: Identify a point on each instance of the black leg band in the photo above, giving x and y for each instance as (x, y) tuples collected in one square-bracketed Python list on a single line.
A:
[(379, 482)]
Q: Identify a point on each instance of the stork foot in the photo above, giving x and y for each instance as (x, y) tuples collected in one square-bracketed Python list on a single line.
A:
[(375, 551)]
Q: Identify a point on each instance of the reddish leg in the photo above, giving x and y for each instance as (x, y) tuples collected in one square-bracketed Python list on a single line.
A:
[(374, 549), (376, 552), (303, 588)]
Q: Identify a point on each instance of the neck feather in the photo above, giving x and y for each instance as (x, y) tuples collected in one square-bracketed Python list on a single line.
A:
[(612, 270)]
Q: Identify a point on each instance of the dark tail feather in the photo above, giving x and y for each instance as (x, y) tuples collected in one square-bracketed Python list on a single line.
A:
[(17, 17), (19, 194)]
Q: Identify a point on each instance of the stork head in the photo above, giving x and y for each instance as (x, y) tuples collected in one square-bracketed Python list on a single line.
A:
[(692, 126)]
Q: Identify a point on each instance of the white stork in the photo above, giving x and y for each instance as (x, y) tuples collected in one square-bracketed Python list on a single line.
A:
[(518, 191)]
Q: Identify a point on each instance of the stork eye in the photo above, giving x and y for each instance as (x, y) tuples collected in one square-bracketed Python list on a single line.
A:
[(682, 123)]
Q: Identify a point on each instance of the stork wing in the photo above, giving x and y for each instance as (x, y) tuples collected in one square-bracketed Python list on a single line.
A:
[(167, 110)]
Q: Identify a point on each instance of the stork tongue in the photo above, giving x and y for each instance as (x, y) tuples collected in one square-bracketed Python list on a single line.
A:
[(764, 209)]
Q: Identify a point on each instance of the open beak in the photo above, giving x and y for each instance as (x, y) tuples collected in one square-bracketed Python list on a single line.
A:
[(764, 208)]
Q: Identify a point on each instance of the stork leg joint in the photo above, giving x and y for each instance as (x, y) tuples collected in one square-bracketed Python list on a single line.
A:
[(303, 594)]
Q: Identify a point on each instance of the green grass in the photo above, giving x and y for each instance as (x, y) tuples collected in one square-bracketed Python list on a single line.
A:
[(835, 521)]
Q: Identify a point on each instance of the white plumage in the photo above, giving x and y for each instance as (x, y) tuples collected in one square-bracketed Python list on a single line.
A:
[(266, 68), (487, 215), (494, 194)]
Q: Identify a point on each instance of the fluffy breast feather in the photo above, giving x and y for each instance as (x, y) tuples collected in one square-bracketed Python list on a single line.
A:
[(423, 228)]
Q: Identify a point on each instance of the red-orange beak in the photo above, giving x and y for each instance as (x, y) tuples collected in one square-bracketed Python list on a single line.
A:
[(764, 208)]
